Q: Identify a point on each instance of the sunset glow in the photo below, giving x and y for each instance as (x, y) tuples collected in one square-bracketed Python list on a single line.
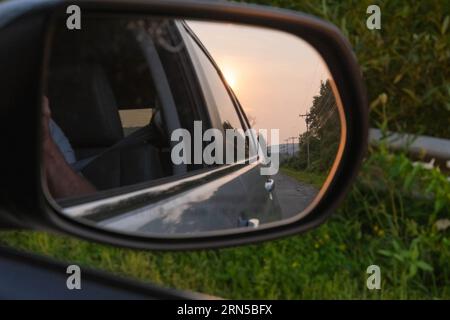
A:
[(275, 75), (230, 77)]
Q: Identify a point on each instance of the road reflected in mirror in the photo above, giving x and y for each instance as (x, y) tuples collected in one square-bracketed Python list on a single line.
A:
[(154, 126)]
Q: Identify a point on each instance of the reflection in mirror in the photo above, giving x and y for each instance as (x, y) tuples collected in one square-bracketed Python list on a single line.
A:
[(155, 126)]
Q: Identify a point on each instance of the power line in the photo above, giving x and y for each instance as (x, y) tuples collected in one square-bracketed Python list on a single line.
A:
[(306, 116)]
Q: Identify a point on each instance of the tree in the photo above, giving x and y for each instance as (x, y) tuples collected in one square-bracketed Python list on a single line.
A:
[(323, 135)]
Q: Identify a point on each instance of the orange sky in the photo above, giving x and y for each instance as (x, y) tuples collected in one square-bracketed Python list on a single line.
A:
[(274, 74)]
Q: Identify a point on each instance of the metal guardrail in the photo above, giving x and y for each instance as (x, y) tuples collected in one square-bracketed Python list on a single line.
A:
[(436, 148)]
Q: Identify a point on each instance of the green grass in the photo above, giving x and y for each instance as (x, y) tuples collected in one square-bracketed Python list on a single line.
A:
[(387, 226), (307, 177), (391, 216)]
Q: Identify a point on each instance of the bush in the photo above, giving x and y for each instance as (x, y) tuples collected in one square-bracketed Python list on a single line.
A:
[(382, 222), (396, 216), (406, 64)]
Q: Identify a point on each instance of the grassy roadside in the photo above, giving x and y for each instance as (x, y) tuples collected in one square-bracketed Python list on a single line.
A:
[(307, 177), (391, 228), (382, 221)]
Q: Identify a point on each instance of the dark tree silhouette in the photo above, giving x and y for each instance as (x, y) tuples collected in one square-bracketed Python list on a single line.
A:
[(323, 134)]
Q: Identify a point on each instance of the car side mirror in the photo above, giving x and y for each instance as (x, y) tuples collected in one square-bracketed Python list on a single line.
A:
[(183, 124)]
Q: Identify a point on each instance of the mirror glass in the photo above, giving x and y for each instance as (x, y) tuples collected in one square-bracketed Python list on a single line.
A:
[(161, 127)]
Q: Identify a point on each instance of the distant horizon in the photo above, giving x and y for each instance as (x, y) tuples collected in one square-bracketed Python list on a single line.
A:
[(269, 71)]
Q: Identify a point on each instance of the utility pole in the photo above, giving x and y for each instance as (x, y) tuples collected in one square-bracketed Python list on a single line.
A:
[(306, 116), (293, 144), (287, 145)]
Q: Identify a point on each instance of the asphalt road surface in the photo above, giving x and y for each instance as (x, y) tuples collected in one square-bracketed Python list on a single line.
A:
[(293, 195)]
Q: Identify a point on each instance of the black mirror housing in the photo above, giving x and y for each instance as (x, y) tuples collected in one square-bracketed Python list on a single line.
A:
[(25, 38)]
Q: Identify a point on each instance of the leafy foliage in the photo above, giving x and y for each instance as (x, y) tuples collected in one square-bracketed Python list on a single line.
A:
[(406, 64), (396, 216), (318, 145), (381, 222)]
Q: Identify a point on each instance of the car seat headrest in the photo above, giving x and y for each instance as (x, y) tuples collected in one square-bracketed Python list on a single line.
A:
[(83, 105)]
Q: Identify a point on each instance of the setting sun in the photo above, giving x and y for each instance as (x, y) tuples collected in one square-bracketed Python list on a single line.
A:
[(230, 77)]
